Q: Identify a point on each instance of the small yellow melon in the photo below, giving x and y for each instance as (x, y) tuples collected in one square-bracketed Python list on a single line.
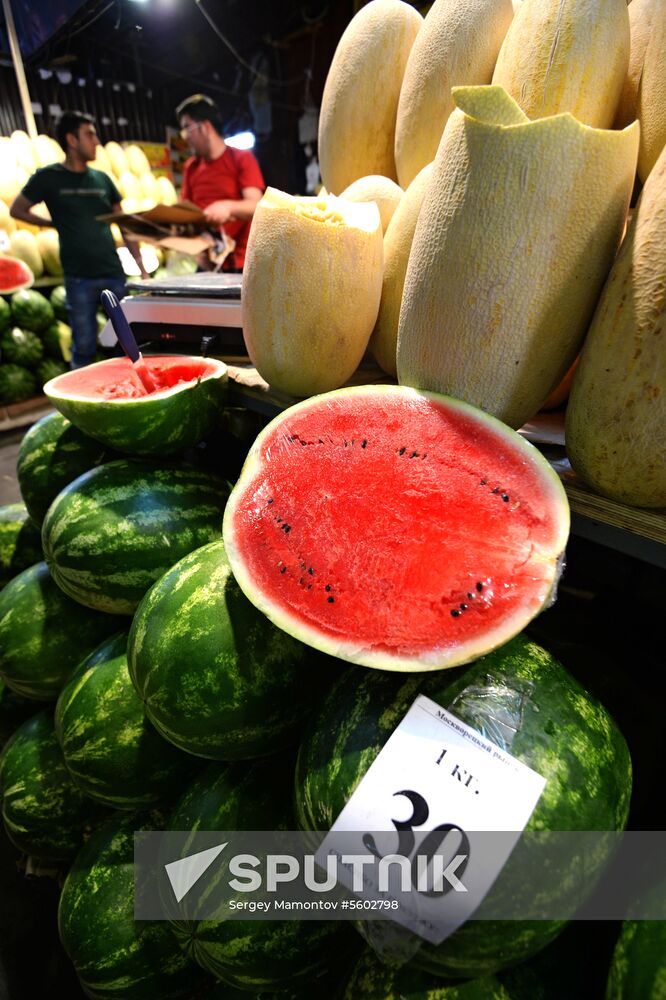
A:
[(311, 288), (24, 246), (385, 193), (641, 13), (167, 192), (117, 158), (360, 99), (397, 244), (652, 95), (457, 45), (566, 55), (137, 160)]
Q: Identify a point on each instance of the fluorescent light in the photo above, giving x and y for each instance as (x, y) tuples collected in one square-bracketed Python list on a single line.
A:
[(242, 140)]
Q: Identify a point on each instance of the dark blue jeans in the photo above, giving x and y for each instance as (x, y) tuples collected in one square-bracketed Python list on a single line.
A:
[(82, 304)]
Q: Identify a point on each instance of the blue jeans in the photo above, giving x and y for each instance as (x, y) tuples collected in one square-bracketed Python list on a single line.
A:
[(82, 304)]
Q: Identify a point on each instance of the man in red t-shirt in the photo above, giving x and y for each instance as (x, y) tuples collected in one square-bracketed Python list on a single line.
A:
[(226, 183)]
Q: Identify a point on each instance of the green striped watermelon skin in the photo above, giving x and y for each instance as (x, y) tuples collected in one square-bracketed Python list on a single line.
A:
[(45, 815), (13, 711), (115, 530), (51, 455), (20, 541), (215, 676), (564, 734), (638, 966), (371, 979), (149, 425), (113, 753), (254, 955), (44, 634), (114, 955)]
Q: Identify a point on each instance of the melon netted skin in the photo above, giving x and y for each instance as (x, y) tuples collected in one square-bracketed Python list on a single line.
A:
[(396, 529), (524, 700)]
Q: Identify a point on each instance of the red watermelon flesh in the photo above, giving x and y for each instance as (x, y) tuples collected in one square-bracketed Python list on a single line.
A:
[(14, 275), (395, 528), (118, 379)]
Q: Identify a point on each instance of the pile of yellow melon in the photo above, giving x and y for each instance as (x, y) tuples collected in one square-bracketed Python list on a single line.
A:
[(497, 146)]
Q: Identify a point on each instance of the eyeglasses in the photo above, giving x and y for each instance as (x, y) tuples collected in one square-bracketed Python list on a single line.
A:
[(184, 132)]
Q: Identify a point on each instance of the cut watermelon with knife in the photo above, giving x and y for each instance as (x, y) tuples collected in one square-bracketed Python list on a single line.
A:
[(396, 529)]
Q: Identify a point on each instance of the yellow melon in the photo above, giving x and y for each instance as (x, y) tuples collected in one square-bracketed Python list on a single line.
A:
[(117, 235), (117, 158), (102, 161), (129, 185), (12, 179), (167, 192), (397, 244), (7, 224), (311, 288), (24, 246), (385, 193), (517, 233), (149, 187), (616, 414), (566, 55), (652, 95), (641, 13), (137, 160), (23, 151), (48, 245), (360, 99), (457, 45)]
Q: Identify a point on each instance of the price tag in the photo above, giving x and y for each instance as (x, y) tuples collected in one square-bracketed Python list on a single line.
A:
[(436, 785)]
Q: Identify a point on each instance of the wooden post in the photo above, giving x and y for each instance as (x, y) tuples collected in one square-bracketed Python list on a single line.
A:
[(19, 70)]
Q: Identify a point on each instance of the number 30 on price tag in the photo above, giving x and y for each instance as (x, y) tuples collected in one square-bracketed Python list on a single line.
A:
[(435, 784)]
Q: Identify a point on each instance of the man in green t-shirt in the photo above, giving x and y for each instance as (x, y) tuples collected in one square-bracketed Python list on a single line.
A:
[(75, 195)]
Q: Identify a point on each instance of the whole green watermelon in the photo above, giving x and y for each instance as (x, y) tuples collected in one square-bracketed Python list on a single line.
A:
[(116, 956), (57, 340), (638, 966), (20, 541), (115, 530), (49, 368), (58, 302), (112, 751), (254, 955), (44, 634), (562, 733), (21, 347), (31, 311), (14, 710), (215, 676), (51, 455), (45, 815), (5, 315), (371, 979), (16, 383)]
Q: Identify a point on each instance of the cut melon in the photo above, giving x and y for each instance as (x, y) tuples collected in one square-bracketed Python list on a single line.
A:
[(385, 193), (360, 99), (14, 275), (109, 402), (652, 95), (397, 245), (567, 55), (616, 416), (311, 288), (457, 46), (515, 238), (396, 529)]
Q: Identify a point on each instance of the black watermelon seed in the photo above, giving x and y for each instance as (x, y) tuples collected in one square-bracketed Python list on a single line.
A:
[(496, 490), (284, 569), (402, 451), (286, 528), (455, 614), (414, 454), (301, 581), (330, 600), (505, 497), (484, 482), (279, 520), (363, 443), (479, 587), (311, 571), (471, 596), (328, 587), (463, 607), (270, 500)]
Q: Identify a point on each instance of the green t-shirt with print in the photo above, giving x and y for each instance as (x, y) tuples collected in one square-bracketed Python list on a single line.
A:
[(74, 199)]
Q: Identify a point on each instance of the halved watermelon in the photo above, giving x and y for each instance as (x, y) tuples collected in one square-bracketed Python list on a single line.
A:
[(395, 528), (14, 275), (109, 402)]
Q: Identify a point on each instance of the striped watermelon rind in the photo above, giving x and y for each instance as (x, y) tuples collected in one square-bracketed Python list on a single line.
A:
[(329, 489), (215, 676), (562, 732), (638, 965), (158, 424), (44, 634), (115, 530), (254, 955), (20, 541), (113, 753), (45, 815), (371, 979), (113, 954), (51, 455)]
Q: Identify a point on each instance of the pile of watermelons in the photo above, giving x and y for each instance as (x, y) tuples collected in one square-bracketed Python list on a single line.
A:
[(141, 689), (34, 342)]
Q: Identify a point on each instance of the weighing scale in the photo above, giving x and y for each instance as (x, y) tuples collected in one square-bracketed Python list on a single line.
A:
[(202, 311)]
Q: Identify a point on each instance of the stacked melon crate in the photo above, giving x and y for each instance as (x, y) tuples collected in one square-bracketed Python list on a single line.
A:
[(176, 656)]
